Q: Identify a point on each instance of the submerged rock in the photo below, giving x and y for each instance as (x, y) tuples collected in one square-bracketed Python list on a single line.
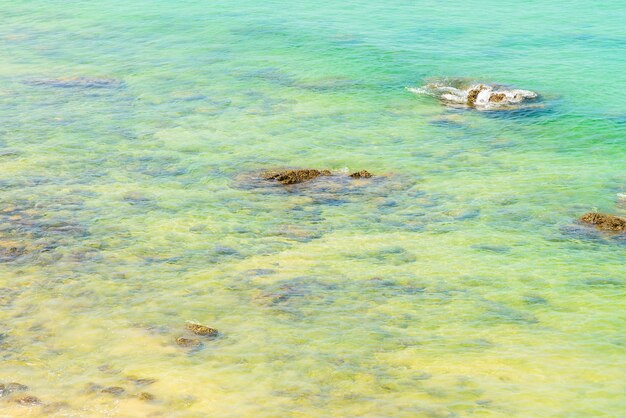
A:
[(201, 329), (32, 232), (9, 252), (27, 400), (114, 390), (534, 300), (8, 388), (145, 396), (51, 408), (288, 292), (294, 176), (188, 342), (363, 174), (54, 407), (79, 82), (329, 182), (92, 387), (604, 221), (141, 381), (14, 387), (107, 368), (463, 94)]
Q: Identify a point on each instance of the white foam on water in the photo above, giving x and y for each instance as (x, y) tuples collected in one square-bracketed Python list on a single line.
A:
[(479, 96)]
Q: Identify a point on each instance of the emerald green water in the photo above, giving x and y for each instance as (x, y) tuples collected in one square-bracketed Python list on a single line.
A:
[(456, 282)]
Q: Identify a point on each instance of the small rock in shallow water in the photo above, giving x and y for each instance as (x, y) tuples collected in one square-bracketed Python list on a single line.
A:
[(605, 222), (287, 177), (188, 342), (14, 387), (201, 329), (114, 390), (9, 252), (27, 400), (107, 368), (140, 381), (145, 396), (463, 93), (363, 174), (92, 387), (8, 388)]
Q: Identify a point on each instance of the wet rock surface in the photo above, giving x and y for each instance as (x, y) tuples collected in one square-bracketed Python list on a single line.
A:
[(463, 93), (604, 222), (363, 174), (335, 185), (202, 330), (294, 176)]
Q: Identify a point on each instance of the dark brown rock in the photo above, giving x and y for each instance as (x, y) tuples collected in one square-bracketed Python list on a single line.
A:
[(605, 222), (188, 342), (294, 176), (497, 97), (472, 95), (363, 174), (27, 400), (114, 390), (201, 330)]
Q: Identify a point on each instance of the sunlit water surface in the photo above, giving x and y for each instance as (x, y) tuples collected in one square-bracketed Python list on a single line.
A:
[(454, 283)]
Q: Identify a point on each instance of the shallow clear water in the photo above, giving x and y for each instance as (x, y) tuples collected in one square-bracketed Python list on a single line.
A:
[(454, 283)]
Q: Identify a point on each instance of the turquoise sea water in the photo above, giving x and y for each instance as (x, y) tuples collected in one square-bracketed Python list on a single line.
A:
[(456, 282)]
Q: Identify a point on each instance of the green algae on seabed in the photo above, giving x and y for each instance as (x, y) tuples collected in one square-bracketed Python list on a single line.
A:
[(454, 282)]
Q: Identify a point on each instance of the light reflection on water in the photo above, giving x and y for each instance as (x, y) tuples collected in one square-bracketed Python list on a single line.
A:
[(453, 283)]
